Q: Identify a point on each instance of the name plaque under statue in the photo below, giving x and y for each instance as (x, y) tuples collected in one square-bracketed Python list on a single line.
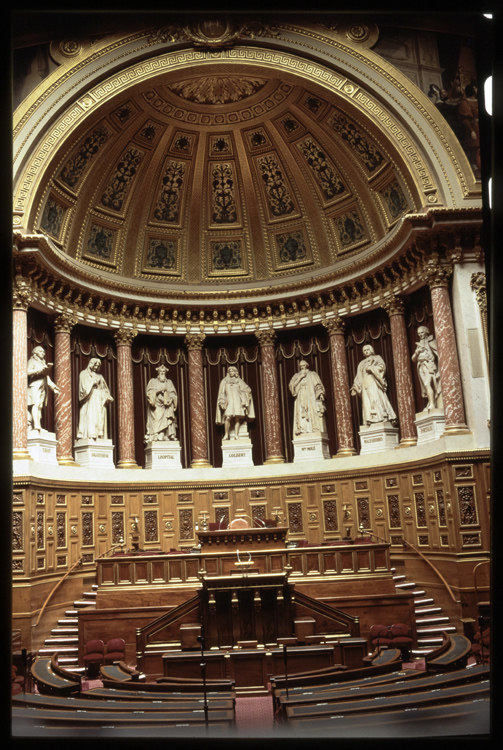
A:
[(163, 454), (94, 454), (381, 436), (310, 447), (430, 425), (42, 446)]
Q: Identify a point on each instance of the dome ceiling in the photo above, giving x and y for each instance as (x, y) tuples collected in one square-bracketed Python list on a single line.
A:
[(213, 182)]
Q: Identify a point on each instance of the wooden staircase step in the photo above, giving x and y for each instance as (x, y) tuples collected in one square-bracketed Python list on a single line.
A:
[(89, 595), (435, 620), (62, 650), (406, 585), (422, 602), (68, 622), (438, 629), (62, 632), (84, 603), (62, 640), (399, 578), (423, 611)]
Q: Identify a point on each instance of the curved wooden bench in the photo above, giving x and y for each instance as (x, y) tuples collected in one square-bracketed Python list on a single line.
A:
[(112, 704), (62, 718), (452, 654), (52, 679), (383, 690), (384, 656), (458, 693), (120, 672), (127, 696)]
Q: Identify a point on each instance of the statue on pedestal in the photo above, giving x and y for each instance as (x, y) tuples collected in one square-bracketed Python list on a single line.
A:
[(39, 383), (234, 403), (93, 397), (309, 394), (162, 401), (426, 357), (370, 383)]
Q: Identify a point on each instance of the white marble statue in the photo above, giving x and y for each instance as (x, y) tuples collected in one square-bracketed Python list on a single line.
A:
[(309, 408), (426, 357), (93, 397), (162, 402), (370, 383), (39, 384), (234, 403)]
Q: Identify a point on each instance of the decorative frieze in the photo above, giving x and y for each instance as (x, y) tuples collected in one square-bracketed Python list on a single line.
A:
[(331, 523), (118, 531), (420, 505), (295, 521), (151, 526), (395, 520), (467, 505), (441, 509), (186, 524), (87, 529), (17, 531)]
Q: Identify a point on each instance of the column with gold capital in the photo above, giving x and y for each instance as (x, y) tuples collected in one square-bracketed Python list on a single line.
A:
[(273, 439), (340, 382), (22, 297), (437, 276), (125, 406), (197, 402), (403, 371), (63, 325)]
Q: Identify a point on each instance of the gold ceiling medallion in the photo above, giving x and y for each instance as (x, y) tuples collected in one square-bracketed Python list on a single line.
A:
[(213, 33), (217, 89), (358, 32)]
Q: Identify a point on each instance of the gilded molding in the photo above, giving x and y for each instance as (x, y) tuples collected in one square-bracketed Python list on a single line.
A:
[(266, 338), (334, 325), (125, 336), (435, 274), (22, 295)]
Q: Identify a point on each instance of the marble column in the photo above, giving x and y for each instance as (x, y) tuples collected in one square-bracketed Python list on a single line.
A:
[(197, 401), (340, 383), (63, 325), (21, 301), (403, 371), (125, 403), (273, 439), (437, 277)]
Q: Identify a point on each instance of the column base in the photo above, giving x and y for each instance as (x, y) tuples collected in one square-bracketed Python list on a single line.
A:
[(200, 463), (345, 452), (407, 442), (21, 455), (458, 429), (64, 461), (274, 460), (128, 465)]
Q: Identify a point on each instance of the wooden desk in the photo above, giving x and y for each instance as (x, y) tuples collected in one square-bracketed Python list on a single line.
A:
[(242, 539)]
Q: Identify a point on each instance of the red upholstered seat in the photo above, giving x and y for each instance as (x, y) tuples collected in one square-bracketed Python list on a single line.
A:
[(380, 635), (115, 650), (94, 652), (400, 638)]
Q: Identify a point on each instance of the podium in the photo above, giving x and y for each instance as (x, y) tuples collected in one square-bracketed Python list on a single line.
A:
[(249, 539), (246, 607)]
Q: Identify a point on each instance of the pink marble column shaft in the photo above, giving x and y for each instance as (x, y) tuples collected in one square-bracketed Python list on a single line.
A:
[(340, 382), (197, 402), (63, 324), (274, 441), (403, 371), (20, 384), (125, 405), (448, 363)]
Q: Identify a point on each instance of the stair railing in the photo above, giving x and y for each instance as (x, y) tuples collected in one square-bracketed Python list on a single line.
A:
[(439, 574), (63, 578), (484, 562)]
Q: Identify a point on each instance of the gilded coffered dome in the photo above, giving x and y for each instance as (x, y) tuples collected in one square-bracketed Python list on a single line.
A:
[(239, 172)]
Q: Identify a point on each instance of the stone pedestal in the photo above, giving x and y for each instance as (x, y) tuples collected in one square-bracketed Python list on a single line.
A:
[(94, 454), (42, 446), (311, 447), (430, 425), (163, 454), (378, 437), (237, 452)]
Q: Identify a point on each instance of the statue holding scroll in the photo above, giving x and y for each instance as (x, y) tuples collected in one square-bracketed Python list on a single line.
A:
[(162, 402), (94, 397), (39, 384), (309, 394), (234, 404), (370, 383), (426, 357)]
